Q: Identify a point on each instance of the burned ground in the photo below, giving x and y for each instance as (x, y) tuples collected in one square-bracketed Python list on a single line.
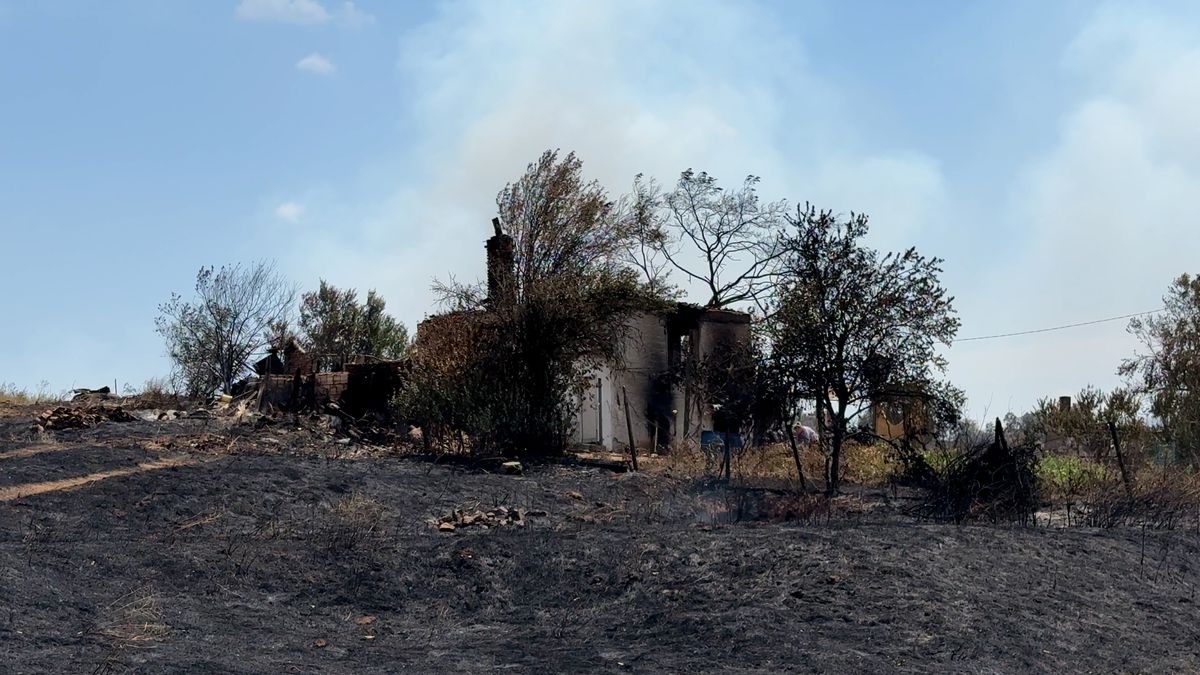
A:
[(260, 552)]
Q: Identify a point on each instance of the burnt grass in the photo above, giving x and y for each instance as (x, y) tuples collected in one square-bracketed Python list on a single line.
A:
[(249, 566)]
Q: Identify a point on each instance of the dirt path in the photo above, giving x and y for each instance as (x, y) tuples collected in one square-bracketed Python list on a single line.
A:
[(27, 489), (31, 451)]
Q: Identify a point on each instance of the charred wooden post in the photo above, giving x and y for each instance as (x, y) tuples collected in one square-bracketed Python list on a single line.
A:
[(1112, 430), (728, 459), (629, 430)]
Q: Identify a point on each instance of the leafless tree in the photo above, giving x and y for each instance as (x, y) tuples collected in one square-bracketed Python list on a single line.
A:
[(645, 248), (212, 338), (726, 241)]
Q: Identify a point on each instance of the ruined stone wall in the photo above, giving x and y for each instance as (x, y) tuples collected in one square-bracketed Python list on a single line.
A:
[(321, 388)]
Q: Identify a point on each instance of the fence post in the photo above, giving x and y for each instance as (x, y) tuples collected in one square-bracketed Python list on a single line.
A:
[(1112, 429), (629, 429)]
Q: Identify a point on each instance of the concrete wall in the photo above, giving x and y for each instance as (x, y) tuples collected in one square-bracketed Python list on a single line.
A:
[(656, 409), (718, 329), (601, 417), (641, 377)]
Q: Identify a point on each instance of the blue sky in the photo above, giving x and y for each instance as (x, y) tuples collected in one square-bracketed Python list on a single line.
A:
[(1048, 151)]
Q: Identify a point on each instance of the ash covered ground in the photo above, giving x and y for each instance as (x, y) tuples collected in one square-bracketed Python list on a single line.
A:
[(188, 546)]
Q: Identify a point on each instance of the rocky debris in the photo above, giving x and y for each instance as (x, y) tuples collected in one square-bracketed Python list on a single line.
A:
[(500, 516), (79, 418), (329, 423), (157, 415), (370, 428)]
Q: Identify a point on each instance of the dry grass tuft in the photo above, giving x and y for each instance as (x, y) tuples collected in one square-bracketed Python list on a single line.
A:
[(135, 620), (812, 509), (1159, 498), (12, 395), (353, 521), (862, 464), (155, 393)]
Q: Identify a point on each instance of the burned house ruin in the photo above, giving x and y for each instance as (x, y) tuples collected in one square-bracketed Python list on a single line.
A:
[(663, 407), (291, 378)]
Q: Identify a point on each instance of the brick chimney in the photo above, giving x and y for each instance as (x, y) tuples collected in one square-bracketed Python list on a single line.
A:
[(502, 290)]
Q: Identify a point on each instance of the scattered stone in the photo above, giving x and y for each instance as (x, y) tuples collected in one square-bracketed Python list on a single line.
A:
[(501, 516), (512, 467)]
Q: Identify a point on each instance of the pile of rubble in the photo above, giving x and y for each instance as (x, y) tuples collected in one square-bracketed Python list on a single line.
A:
[(79, 418), (497, 517), (101, 394)]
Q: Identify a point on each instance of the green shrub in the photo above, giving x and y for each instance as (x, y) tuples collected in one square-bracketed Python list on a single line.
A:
[(1067, 475)]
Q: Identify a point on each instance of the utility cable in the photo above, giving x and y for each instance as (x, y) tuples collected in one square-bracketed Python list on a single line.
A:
[(1053, 328)]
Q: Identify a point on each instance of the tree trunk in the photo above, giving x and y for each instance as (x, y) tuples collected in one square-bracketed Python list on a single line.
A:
[(838, 420), (835, 462), (821, 440)]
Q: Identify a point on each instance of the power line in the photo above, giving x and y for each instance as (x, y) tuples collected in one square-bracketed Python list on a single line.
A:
[(1053, 328)]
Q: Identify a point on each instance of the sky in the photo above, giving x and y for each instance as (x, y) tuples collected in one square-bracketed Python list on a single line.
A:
[(1048, 151)]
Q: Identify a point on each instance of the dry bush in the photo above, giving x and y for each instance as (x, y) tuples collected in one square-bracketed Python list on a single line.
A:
[(869, 463), (862, 463), (684, 460), (14, 395), (1161, 499), (765, 462), (995, 482), (750, 464), (557, 307), (156, 392), (353, 521)]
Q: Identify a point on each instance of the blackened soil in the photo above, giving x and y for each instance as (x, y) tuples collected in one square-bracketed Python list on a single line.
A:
[(248, 565)]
